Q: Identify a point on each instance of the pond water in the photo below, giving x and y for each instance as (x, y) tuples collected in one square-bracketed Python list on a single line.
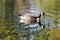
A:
[(49, 21)]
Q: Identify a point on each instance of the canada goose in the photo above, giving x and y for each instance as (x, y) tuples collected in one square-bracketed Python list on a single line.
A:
[(29, 18)]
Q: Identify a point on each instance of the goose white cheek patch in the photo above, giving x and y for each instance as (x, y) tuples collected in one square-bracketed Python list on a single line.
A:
[(37, 19), (22, 19)]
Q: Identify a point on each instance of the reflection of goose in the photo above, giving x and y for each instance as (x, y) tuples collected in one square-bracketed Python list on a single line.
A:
[(29, 18)]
